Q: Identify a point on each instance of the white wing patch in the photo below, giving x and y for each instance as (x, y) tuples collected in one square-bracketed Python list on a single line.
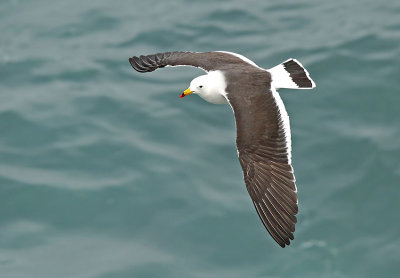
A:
[(169, 66), (286, 127), (286, 124)]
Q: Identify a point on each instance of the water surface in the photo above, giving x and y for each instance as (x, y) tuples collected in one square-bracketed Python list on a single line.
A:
[(105, 172)]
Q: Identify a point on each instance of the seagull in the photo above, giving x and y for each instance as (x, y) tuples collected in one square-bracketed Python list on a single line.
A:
[(263, 137)]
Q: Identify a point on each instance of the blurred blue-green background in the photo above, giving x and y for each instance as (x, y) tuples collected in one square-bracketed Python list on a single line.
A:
[(105, 172)]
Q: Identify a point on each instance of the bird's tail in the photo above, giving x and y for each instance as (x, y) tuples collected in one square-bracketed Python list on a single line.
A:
[(292, 75)]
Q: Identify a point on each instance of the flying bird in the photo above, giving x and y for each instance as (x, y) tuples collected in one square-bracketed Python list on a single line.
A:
[(263, 137)]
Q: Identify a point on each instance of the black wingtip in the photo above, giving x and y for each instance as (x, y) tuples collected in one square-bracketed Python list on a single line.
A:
[(137, 65), (148, 63), (132, 63)]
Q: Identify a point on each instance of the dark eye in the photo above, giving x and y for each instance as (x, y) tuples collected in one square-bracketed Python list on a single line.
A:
[(201, 86)]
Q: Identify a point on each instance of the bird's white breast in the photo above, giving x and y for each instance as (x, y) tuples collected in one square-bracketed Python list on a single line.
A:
[(216, 92)]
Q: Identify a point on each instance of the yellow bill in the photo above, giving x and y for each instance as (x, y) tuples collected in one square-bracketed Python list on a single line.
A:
[(186, 92)]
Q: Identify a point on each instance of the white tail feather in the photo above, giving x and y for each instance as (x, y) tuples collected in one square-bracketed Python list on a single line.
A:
[(291, 75)]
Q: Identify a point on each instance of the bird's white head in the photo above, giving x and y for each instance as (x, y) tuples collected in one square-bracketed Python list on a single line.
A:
[(199, 85), (210, 87)]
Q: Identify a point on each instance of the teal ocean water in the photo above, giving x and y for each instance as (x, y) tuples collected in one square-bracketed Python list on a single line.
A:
[(105, 172)]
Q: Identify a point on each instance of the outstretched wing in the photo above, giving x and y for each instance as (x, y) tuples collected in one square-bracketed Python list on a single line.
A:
[(207, 61), (264, 149)]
